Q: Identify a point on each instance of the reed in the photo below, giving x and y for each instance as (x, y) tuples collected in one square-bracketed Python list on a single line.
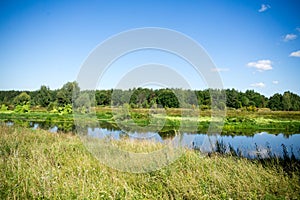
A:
[(39, 164)]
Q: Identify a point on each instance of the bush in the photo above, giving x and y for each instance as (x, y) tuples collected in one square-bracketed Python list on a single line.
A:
[(3, 108), (22, 108), (62, 110), (251, 108), (204, 107), (52, 106)]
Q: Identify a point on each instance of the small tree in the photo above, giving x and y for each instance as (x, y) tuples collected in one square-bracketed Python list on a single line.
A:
[(22, 99), (83, 103), (44, 97)]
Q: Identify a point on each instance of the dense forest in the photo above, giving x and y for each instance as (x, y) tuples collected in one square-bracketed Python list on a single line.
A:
[(146, 98)]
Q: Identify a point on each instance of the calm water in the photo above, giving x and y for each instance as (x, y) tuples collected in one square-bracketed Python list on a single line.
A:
[(249, 146)]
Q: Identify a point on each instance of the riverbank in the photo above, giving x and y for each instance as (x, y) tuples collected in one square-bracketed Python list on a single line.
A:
[(39, 164), (235, 122)]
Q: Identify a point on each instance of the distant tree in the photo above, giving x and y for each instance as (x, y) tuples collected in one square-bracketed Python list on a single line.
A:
[(141, 97), (118, 97), (251, 103), (286, 101), (199, 97), (167, 98), (22, 99), (232, 98), (83, 102), (68, 92), (190, 97), (146, 98), (206, 97), (259, 100), (43, 97), (295, 101), (7, 97), (103, 97), (275, 102), (245, 101)]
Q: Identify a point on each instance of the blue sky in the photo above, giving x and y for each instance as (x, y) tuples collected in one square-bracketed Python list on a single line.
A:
[(254, 44)]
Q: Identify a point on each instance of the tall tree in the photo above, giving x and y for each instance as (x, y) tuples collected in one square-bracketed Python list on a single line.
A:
[(245, 101), (69, 91), (103, 97), (167, 98), (275, 102), (43, 97), (286, 101)]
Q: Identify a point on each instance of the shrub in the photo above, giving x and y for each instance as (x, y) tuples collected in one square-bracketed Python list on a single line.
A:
[(3, 108), (22, 108)]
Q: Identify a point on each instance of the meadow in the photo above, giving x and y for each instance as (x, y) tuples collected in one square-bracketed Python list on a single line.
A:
[(37, 164)]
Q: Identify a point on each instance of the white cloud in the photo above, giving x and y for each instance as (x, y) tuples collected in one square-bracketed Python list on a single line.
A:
[(275, 82), (298, 29), (295, 54), (261, 65), (289, 37), (219, 69), (260, 84), (264, 7)]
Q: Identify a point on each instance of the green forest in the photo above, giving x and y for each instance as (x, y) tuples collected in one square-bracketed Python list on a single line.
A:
[(22, 101)]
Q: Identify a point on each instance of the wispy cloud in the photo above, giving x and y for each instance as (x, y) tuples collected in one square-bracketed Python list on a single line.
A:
[(298, 29), (275, 82), (295, 54), (219, 69), (261, 65), (289, 37), (264, 7), (260, 85)]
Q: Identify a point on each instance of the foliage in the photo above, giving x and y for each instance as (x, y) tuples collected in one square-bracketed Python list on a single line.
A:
[(251, 108), (68, 92), (52, 106), (22, 99), (103, 97), (44, 96), (82, 103), (146, 98), (167, 99), (67, 109), (62, 110), (3, 108), (22, 108), (275, 102), (235, 123)]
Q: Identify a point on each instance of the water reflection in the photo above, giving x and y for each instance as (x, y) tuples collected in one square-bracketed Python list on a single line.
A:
[(53, 129), (104, 133), (258, 144)]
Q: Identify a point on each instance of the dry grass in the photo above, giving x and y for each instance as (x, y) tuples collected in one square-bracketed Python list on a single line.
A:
[(39, 164)]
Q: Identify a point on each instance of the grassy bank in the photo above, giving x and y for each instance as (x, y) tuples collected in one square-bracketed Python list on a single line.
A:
[(39, 164), (235, 123)]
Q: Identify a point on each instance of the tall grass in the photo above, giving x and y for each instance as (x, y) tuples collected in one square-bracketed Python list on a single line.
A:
[(39, 164)]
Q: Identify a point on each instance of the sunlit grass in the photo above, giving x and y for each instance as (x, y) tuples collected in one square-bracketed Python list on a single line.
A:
[(39, 164), (236, 121)]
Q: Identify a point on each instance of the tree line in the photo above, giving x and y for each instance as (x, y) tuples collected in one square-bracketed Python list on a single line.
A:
[(147, 98)]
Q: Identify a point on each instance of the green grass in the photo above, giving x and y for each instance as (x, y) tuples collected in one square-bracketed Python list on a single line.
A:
[(235, 123), (39, 164)]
